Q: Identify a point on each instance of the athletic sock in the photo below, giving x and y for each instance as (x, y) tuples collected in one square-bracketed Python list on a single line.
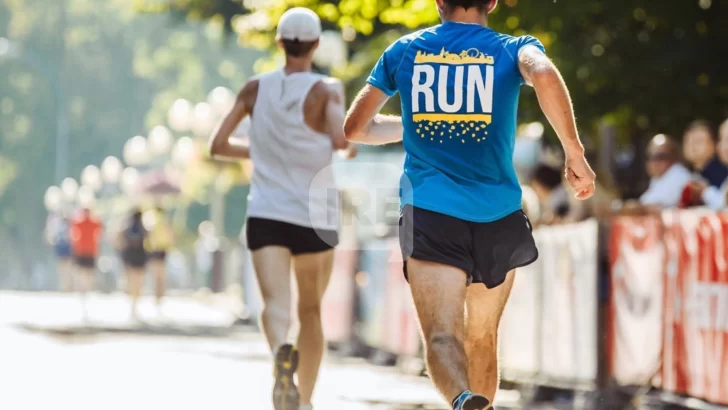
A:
[(305, 407), (460, 398)]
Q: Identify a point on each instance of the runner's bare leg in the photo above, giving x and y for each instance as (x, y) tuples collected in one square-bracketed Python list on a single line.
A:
[(439, 294), (484, 308), (273, 270), (313, 272)]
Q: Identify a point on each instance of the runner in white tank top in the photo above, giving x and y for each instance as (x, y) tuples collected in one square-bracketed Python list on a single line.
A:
[(297, 122)]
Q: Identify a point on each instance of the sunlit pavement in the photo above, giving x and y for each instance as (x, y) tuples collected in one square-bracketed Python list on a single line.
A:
[(187, 357)]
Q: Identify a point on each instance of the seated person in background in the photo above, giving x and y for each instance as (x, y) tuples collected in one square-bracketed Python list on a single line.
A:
[(699, 150), (713, 197), (554, 198), (531, 203), (668, 177)]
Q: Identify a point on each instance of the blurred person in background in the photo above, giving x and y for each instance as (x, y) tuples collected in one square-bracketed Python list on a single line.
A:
[(553, 196), (699, 149), (58, 235), (668, 177), (158, 243), (205, 245), (85, 237), (462, 221), (296, 125), (134, 257), (713, 197)]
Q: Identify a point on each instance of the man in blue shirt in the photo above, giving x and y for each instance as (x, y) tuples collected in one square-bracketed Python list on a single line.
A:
[(461, 219)]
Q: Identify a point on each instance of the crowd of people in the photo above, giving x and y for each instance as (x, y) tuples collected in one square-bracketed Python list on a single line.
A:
[(694, 174), (141, 243), (697, 176)]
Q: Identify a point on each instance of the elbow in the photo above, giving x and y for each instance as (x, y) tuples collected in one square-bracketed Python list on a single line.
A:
[(340, 143), (213, 149), (352, 130)]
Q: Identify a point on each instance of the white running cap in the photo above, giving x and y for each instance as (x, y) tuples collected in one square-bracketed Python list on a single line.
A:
[(299, 23)]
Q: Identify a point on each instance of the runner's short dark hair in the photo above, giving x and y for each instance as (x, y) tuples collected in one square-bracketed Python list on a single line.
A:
[(481, 5), (297, 48)]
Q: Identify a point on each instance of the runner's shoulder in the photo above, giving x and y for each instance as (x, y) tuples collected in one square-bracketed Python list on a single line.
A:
[(515, 43), (249, 93), (328, 88), (406, 40)]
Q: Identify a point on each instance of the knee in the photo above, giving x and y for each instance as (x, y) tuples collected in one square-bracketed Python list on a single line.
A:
[(484, 341), (276, 307), (439, 340), (309, 311)]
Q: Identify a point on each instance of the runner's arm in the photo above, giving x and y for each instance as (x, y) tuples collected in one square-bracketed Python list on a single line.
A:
[(539, 72), (365, 125), (553, 96), (222, 143), (335, 112)]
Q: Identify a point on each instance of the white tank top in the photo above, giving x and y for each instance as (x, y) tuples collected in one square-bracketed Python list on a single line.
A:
[(292, 179)]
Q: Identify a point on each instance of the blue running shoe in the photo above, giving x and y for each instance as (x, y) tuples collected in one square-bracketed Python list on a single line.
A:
[(470, 401)]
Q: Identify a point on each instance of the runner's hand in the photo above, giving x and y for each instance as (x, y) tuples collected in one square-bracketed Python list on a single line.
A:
[(580, 177), (350, 151)]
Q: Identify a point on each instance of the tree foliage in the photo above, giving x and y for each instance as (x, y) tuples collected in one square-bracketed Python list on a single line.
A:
[(642, 65), (119, 71)]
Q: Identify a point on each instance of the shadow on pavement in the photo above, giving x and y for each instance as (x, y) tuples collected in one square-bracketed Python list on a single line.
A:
[(398, 406), (143, 329)]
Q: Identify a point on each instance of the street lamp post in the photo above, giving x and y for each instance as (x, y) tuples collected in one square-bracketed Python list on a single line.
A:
[(10, 49), (180, 114), (69, 187)]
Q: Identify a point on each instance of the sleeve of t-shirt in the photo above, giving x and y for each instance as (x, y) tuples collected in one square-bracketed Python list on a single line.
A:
[(382, 76), (519, 44)]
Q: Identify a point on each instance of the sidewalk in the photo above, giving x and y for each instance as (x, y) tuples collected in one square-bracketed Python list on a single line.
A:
[(63, 315), (189, 357)]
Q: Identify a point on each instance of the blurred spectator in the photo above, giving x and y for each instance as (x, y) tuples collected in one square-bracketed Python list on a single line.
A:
[(58, 235), (134, 256), (85, 237), (668, 177), (552, 194), (158, 245), (711, 196), (699, 150), (205, 245)]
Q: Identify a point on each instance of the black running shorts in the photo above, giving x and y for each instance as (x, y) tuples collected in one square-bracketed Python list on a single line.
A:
[(88, 262), (261, 232), (157, 256), (485, 251)]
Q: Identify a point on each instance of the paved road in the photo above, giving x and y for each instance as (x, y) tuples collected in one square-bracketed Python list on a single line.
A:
[(187, 357)]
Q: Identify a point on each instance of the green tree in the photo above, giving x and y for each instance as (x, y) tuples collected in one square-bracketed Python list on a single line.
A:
[(642, 65), (118, 72)]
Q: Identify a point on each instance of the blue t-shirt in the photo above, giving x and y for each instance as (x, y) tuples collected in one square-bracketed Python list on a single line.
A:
[(459, 86)]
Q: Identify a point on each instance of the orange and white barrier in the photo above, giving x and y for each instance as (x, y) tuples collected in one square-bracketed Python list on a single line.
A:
[(637, 256), (337, 306), (684, 254), (548, 333), (400, 329)]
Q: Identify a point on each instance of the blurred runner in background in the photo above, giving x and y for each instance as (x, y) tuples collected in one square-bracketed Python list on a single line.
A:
[(158, 243), (58, 235), (296, 125), (462, 221), (134, 256), (85, 237)]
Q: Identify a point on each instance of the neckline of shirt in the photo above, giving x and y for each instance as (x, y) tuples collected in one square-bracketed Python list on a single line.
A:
[(461, 23)]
